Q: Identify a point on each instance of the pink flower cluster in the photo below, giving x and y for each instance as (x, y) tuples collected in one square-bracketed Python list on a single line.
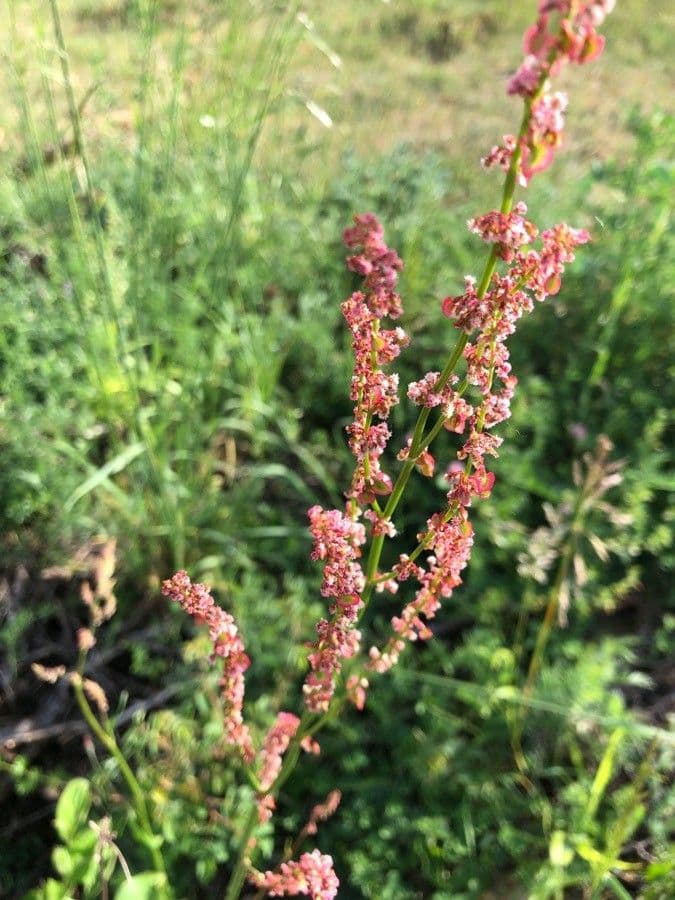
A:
[(426, 391), (491, 315), (196, 600), (565, 31), (373, 391), (449, 542), (509, 231), (321, 812), (338, 536), (312, 875), (337, 542), (377, 263), (274, 746), (569, 35)]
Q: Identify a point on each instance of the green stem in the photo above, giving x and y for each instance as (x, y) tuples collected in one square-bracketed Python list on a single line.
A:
[(238, 876), (546, 627), (107, 737)]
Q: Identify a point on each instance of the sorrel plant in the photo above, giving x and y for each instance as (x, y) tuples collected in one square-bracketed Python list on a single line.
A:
[(468, 398)]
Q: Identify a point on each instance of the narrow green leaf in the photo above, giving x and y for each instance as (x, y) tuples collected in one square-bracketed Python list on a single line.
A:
[(617, 888), (113, 467), (604, 773)]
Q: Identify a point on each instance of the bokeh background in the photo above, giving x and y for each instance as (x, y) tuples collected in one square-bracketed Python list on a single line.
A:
[(175, 181)]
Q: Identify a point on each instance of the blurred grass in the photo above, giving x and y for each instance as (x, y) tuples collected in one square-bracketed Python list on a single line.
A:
[(385, 73)]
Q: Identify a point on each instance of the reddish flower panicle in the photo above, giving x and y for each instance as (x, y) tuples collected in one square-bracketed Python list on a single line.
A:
[(274, 746), (500, 155), (543, 270), (465, 485), (478, 445), (322, 811), (196, 600), (469, 311), (525, 82), (509, 231), (569, 35), (484, 359), (337, 640), (496, 407), (356, 688), (337, 541), (565, 31), (544, 134), (449, 543), (380, 524), (426, 392), (377, 263), (373, 391), (312, 875), (457, 413)]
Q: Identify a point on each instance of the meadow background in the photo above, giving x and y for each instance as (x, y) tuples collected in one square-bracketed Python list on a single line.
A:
[(174, 376)]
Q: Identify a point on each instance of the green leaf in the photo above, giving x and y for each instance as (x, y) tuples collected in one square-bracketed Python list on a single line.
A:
[(145, 886), (83, 842), (62, 861), (85, 869), (593, 856), (604, 773), (72, 809), (559, 853), (660, 868), (50, 890), (102, 475)]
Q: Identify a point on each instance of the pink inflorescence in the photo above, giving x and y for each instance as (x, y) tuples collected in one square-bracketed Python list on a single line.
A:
[(377, 263), (337, 542), (274, 746), (509, 231), (321, 812), (337, 535), (196, 600), (312, 875), (565, 31), (491, 319), (373, 391)]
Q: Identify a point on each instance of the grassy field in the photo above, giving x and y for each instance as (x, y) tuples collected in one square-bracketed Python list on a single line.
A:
[(426, 73), (174, 371)]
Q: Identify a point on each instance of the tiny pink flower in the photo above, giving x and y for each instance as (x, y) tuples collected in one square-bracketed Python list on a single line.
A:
[(356, 690), (501, 154), (274, 746), (322, 811), (312, 875), (509, 231)]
